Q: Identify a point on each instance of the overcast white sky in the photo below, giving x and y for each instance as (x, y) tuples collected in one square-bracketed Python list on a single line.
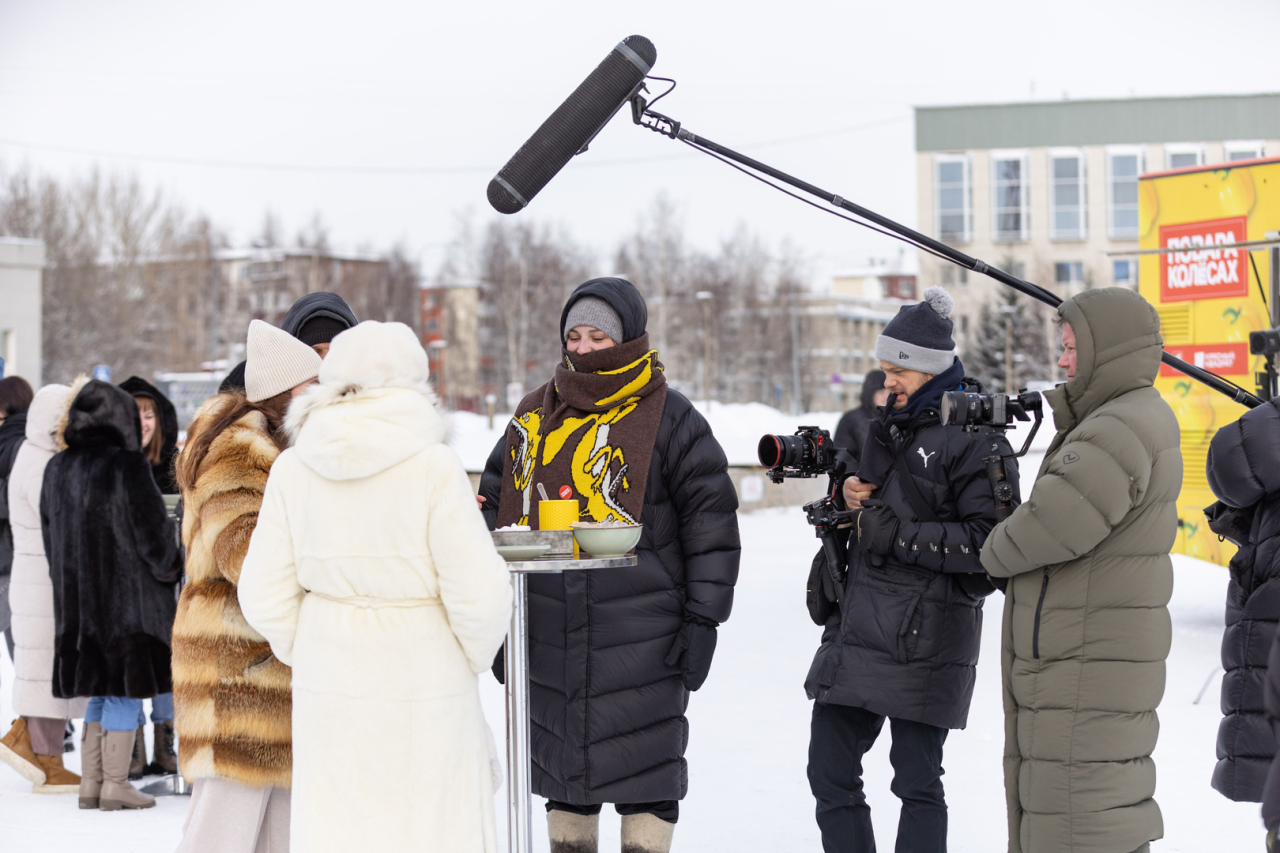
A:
[(823, 89)]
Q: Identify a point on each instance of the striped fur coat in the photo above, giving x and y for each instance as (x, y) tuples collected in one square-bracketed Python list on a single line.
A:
[(232, 697)]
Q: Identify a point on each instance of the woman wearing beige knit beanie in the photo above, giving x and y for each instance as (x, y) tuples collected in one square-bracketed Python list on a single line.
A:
[(237, 753)]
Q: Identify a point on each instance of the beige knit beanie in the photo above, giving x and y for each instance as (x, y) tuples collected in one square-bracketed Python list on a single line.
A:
[(277, 361)]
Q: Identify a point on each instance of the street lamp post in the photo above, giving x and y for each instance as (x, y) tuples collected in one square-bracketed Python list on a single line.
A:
[(1008, 312), (704, 296)]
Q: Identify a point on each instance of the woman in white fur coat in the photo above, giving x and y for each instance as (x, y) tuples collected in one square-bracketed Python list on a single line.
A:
[(31, 595), (371, 573)]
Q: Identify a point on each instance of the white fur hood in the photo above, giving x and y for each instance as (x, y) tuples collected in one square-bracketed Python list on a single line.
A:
[(44, 415), (372, 408)]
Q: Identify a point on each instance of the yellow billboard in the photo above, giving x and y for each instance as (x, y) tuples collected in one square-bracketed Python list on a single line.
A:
[(1209, 301)]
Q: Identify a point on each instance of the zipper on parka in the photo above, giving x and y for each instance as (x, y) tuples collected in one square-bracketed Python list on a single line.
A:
[(1035, 632)]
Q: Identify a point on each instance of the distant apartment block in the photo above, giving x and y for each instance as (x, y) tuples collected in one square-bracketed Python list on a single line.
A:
[(1045, 190)]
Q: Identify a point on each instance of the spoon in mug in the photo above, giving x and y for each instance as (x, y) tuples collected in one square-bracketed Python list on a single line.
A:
[(543, 492)]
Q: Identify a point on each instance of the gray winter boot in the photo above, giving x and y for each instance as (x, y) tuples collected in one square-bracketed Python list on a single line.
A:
[(573, 833), (117, 793), (646, 833), (91, 766)]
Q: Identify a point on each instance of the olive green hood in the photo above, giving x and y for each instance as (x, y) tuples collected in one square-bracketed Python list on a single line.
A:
[(1118, 347)]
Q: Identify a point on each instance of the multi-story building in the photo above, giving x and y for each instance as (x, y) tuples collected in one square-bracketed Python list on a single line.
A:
[(451, 336), (838, 332), (21, 266), (1047, 190)]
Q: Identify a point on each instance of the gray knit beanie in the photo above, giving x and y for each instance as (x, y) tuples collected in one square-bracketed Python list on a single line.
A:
[(919, 338), (594, 312)]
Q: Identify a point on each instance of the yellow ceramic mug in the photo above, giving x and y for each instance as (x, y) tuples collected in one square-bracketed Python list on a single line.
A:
[(558, 515)]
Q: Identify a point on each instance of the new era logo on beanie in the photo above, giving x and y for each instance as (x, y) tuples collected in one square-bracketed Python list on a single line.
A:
[(919, 337)]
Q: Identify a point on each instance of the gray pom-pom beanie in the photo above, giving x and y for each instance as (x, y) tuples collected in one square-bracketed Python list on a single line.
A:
[(919, 338)]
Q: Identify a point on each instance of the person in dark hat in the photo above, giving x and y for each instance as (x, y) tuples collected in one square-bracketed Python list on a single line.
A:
[(614, 656), (902, 642), (851, 432), (315, 319)]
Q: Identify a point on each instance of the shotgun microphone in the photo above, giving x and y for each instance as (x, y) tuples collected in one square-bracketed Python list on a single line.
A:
[(571, 127)]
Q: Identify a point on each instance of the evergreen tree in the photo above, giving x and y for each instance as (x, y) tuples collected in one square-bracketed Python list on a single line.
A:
[(1032, 357)]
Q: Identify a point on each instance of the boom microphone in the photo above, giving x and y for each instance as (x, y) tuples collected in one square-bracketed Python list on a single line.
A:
[(573, 125)]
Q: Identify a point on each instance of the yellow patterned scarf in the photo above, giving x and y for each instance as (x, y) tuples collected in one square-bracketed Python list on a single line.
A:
[(587, 434)]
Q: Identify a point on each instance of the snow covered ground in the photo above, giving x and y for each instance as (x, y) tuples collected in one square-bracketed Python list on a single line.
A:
[(749, 723)]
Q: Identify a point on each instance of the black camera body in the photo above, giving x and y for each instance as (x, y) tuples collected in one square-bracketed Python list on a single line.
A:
[(808, 453), (972, 410)]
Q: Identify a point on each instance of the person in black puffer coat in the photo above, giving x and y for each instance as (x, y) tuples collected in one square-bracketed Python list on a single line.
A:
[(851, 432), (1244, 473), (615, 654), (903, 644)]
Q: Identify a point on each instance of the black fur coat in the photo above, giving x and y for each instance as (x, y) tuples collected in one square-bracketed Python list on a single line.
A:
[(113, 554)]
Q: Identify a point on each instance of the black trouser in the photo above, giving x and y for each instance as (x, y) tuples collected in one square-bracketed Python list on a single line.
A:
[(838, 738), (668, 810)]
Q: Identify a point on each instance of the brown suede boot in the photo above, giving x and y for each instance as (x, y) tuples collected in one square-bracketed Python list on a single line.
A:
[(91, 765), (15, 750), (573, 833), (163, 759), (117, 793), (138, 763), (58, 779), (646, 833)]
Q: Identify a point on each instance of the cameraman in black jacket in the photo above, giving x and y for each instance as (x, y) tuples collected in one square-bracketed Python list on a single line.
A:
[(903, 643)]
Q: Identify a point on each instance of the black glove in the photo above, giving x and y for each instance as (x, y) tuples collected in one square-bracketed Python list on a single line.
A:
[(877, 529), (692, 650)]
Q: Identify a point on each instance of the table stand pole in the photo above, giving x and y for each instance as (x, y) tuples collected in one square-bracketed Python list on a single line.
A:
[(519, 805)]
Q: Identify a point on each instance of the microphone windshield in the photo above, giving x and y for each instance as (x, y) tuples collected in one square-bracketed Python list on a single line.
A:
[(573, 125)]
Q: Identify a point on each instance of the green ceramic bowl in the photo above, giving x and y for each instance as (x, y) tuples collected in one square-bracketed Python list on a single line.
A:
[(606, 540)]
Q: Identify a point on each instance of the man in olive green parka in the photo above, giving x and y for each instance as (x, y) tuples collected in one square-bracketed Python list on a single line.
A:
[(1086, 621)]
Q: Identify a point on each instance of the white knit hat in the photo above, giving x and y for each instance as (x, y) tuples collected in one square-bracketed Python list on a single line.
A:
[(277, 361)]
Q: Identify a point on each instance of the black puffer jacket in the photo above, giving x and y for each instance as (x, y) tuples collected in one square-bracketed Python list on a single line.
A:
[(113, 554), (905, 640), (607, 711), (12, 433), (162, 471), (1244, 472)]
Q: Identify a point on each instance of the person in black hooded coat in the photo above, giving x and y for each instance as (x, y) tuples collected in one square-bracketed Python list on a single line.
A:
[(851, 432), (166, 433), (15, 397), (1244, 472), (615, 654), (315, 319)]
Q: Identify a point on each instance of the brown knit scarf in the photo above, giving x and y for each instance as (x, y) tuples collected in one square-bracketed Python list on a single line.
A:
[(587, 434)]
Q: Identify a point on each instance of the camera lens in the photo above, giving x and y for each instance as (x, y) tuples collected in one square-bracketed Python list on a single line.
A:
[(784, 451)]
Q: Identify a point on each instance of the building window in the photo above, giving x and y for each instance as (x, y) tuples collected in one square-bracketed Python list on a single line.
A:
[(1068, 272), (1124, 272), (1250, 149), (954, 197), (1184, 155), (952, 274), (1010, 196), (1067, 172), (1123, 167)]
